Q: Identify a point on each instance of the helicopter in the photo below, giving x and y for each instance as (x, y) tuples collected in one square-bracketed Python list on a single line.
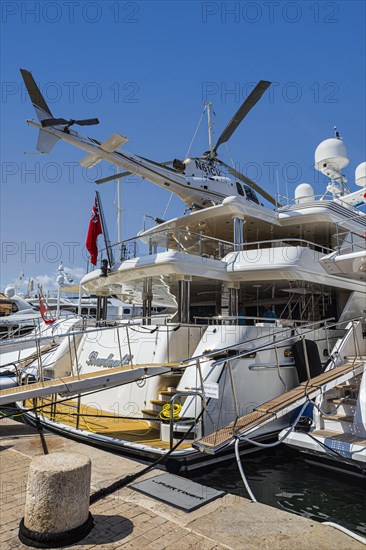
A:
[(200, 182)]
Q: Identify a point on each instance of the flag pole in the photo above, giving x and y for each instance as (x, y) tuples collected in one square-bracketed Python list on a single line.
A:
[(105, 231)]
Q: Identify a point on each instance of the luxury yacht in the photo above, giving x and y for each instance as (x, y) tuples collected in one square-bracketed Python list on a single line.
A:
[(262, 299), (248, 283)]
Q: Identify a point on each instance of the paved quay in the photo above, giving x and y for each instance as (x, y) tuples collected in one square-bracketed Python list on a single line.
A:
[(128, 519)]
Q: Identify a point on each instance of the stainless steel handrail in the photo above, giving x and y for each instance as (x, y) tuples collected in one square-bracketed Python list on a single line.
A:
[(207, 355), (290, 322), (201, 237), (361, 245), (127, 322), (171, 417)]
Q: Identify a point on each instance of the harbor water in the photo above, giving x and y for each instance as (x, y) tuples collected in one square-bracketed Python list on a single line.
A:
[(282, 478)]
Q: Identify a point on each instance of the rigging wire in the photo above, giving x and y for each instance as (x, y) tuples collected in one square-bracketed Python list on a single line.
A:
[(196, 130), (187, 155)]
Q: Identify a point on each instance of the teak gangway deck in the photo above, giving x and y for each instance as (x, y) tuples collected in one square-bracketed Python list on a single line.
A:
[(279, 406), (82, 383)]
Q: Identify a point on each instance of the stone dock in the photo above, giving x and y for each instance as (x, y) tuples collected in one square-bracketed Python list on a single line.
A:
[(128, 519)]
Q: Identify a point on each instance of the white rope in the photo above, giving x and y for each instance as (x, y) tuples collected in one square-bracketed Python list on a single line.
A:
[(351, 534), (258, 444), (268, 445), (242, 472)]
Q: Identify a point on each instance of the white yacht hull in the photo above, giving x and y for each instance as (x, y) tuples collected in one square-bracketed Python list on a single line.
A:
[(127, 418)]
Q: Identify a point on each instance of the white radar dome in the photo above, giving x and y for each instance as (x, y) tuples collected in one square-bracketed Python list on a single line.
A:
[(60, 280), (304, 193), (9, 291), (331, 156), (360, 174)]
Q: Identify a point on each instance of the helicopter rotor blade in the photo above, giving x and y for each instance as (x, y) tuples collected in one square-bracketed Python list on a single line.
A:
[(125, 174), (86, 122), (113, 177), (47, 122), (251, 183), (243, 110)]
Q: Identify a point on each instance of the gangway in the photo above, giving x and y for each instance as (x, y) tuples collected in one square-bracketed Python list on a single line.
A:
[(280, 406), (83, 383)]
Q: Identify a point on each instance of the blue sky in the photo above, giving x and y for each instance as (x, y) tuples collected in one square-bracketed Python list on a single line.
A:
[(144, 69)]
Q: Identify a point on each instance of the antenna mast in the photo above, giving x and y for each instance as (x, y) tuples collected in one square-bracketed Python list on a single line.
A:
[(119, 211), (208, 106)]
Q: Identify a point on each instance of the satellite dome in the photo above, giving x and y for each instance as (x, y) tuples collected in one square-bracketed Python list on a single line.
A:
[(304, 193), (360, 174), (331, 156), (60, 280), (9, 291)]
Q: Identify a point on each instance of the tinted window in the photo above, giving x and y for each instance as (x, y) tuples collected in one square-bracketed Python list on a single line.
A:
[(251, 194), (239, 189)]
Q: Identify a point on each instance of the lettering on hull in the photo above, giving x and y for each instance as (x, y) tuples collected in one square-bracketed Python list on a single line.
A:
[(107, 362)]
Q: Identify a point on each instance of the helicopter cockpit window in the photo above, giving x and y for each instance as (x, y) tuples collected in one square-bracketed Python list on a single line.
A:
[(239, 189), (251, 196)]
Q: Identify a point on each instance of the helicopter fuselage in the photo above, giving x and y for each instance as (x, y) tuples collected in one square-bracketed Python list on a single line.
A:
[(200, 184)]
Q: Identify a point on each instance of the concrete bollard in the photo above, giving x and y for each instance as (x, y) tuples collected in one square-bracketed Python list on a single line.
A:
[(57, 501)]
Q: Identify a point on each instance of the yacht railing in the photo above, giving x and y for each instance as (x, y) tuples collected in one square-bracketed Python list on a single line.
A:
[(19, 329), (289, 323), (190, 242), (349, 241), (290, 201), (207, 355), (181, 240), (277, 321), (194, 393), (84, 330), (326, 198), (275, 243)]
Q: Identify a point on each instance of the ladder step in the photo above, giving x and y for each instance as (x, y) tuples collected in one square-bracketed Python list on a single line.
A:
[(352, 387), (346, 401), (158, 402), (168, 392), (150, 412), (338, 417)]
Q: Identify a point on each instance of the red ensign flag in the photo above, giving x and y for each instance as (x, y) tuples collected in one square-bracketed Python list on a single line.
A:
[(95, 229), (43, 310)]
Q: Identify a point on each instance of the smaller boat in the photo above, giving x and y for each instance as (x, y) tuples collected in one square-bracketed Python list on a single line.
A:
[(18, 317)]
